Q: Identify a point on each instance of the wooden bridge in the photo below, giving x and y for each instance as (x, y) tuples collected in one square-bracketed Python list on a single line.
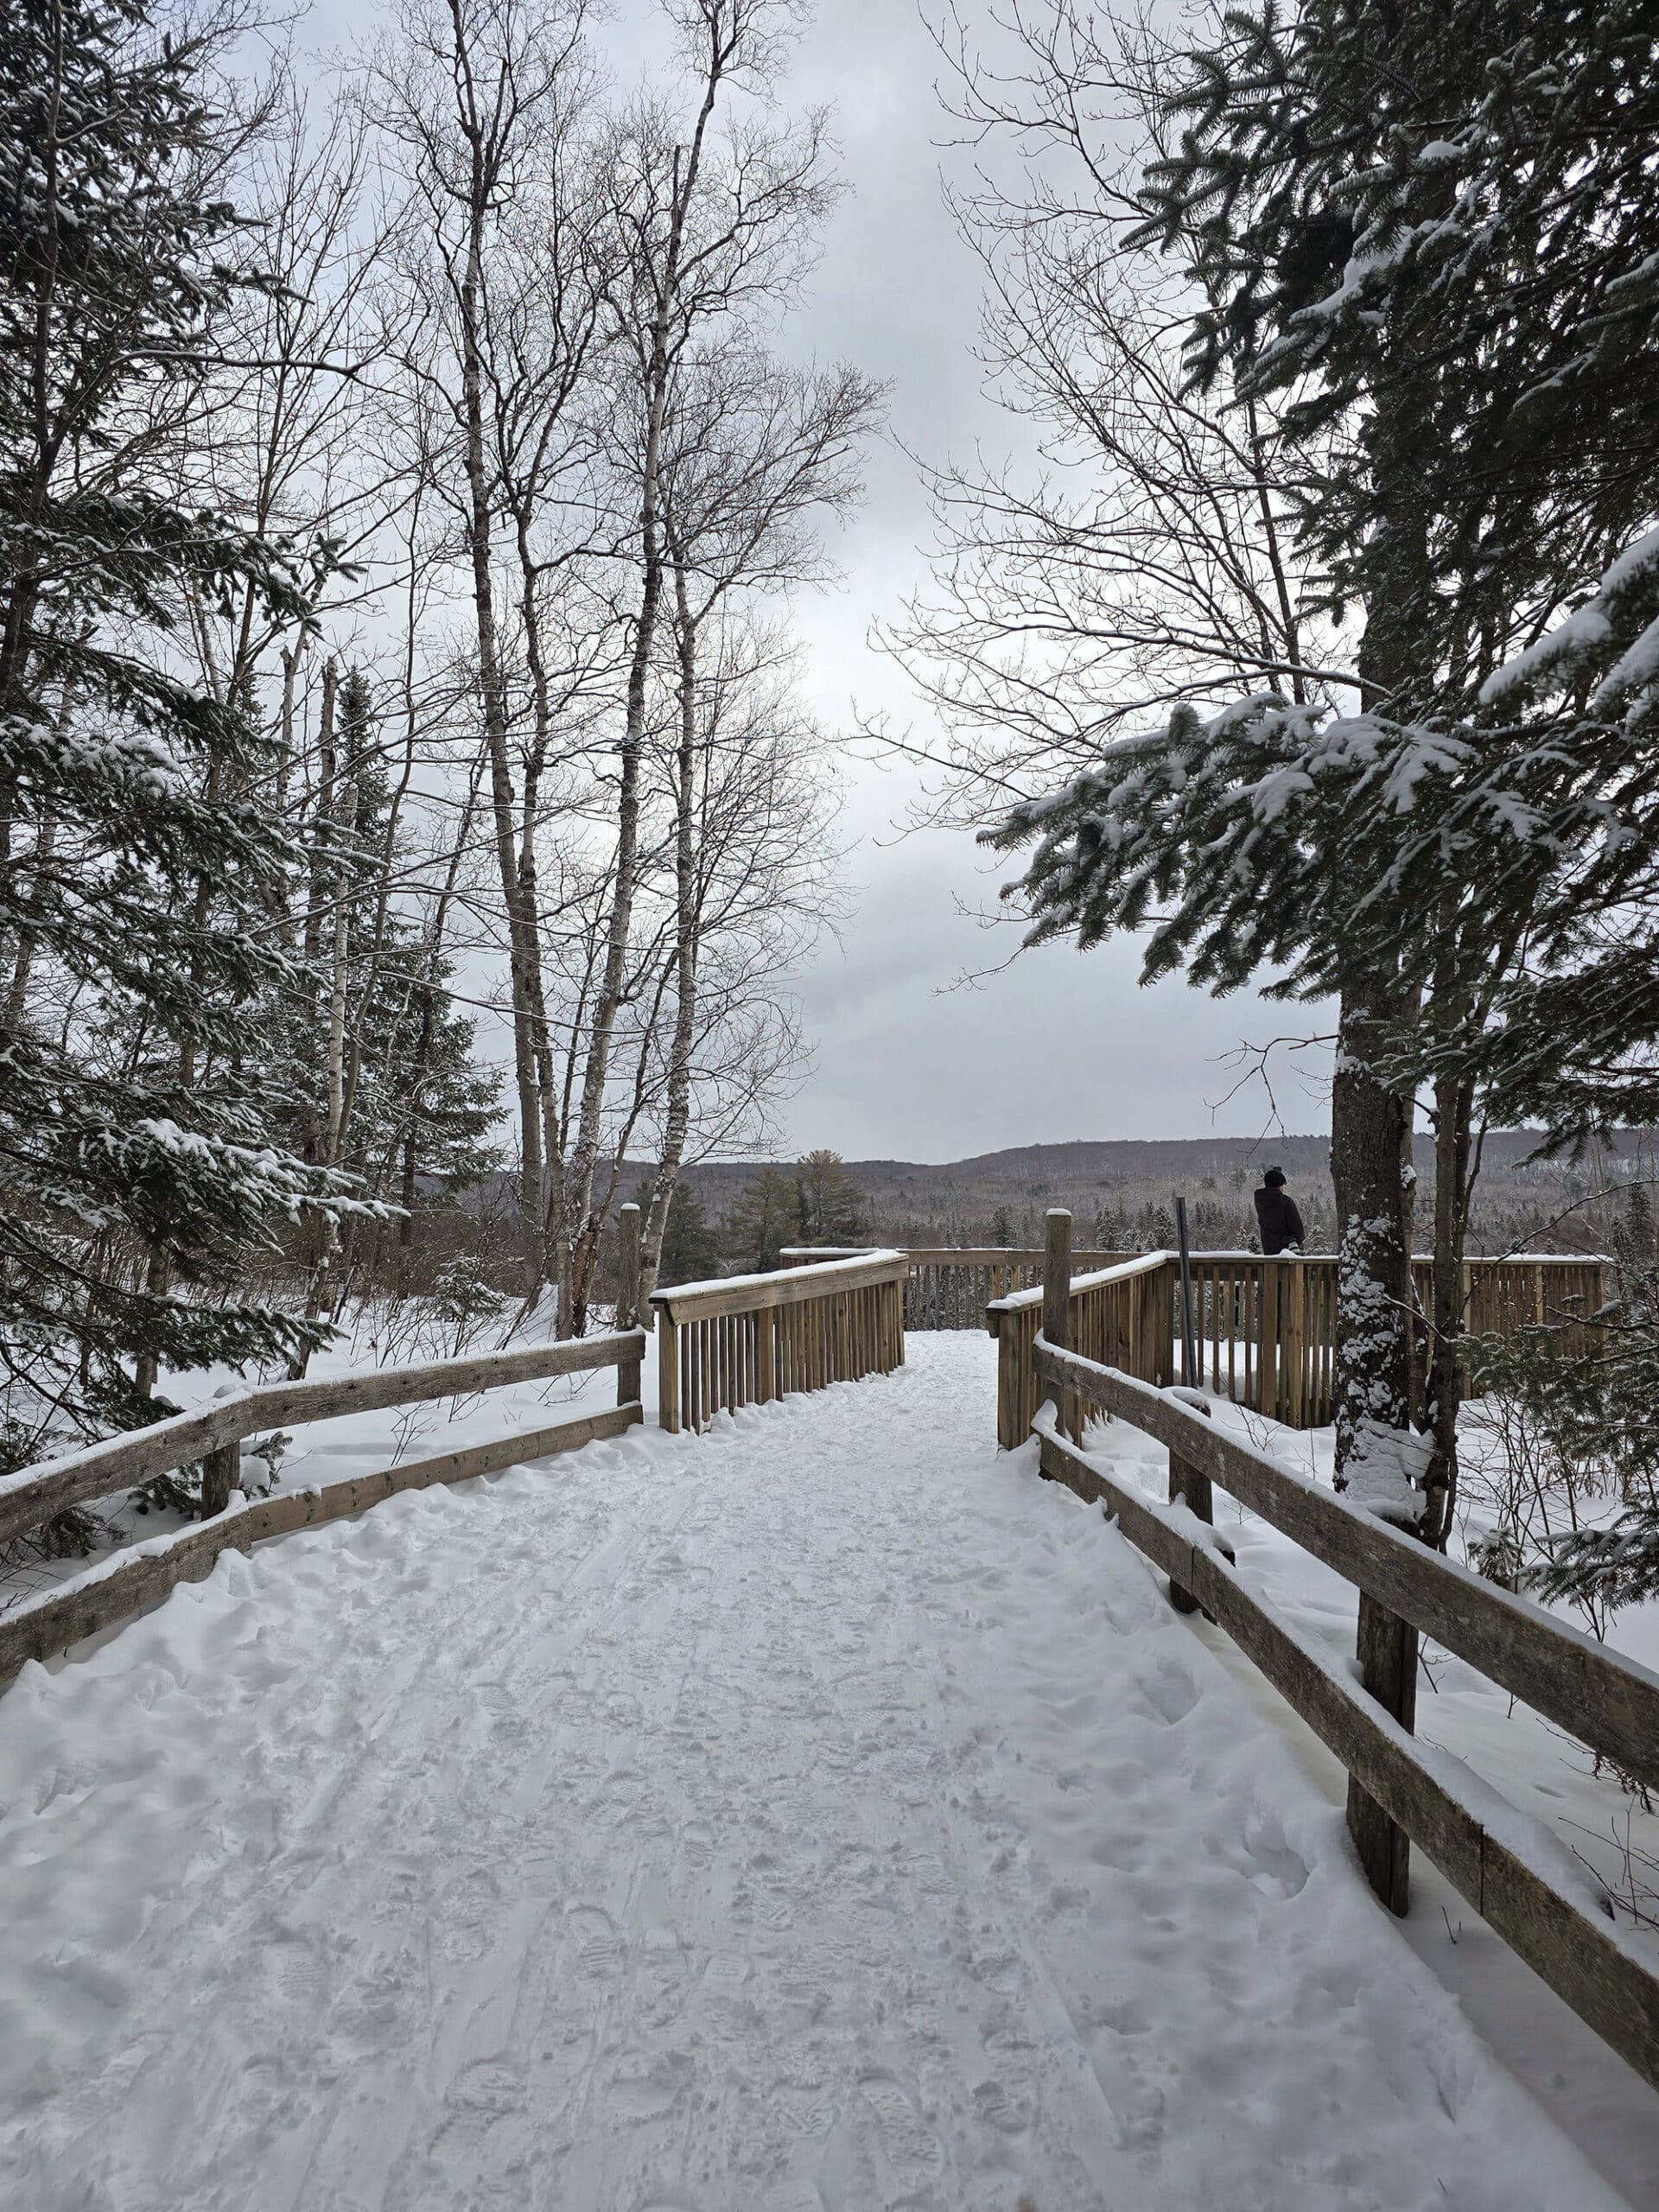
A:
[(1100, 1343)]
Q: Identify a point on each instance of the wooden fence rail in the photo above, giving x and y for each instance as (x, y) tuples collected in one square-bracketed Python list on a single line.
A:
[(1401, 1791), (746, 1339), (948, 1286), (137, 1576), (1265, 1329)]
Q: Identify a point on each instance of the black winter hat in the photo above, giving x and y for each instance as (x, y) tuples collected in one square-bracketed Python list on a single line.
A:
[(1274, 1178)]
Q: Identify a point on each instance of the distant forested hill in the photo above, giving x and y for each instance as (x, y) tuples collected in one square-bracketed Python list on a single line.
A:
[(1121, 1191)]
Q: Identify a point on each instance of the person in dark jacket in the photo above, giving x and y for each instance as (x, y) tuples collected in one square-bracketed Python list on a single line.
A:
[(1276, 1215)]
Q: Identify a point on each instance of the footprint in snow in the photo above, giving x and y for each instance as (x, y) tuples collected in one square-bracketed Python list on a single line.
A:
[(697, 1843), (487, 2090), (1168, 1688), (646, 2084), (926, 1869), (909, 2142), (598, 1946), (1000, 2108), (1283, 1871), (725, 1974)]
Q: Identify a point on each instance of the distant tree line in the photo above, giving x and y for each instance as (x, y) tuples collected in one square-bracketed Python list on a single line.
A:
[(814, 1202)]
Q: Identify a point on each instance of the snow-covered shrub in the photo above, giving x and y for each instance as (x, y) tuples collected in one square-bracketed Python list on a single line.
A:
[(462, 1303), (1568, 1427)]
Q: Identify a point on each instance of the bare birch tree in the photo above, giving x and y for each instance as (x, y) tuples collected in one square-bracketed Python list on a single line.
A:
[(713, 223), (484, 97)]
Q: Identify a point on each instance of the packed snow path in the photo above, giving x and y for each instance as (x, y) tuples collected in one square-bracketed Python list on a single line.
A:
[(823, 1813)]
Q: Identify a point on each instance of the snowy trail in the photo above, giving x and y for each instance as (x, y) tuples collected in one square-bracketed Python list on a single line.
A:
[(823, 1813)]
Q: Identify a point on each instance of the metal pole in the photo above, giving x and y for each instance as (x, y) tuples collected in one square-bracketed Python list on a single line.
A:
[(1057, 1287), (1189, 1339)]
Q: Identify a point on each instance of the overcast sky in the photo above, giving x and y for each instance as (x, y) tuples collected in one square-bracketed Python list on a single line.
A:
[(1059, 1046)]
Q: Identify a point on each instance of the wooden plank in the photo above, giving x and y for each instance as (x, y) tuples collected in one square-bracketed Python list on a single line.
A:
[(221, 1475), (627, 1303), (1580, 1955), (276, 1403), (1387, 1652), (309, 1509), (794, 1286), (1008, 1383), (1142, 1264), (668, 1376), (32, 1495), (765, 1362), (1188, 1486), (128, 1582), (1267, 1366), (1605, 1700), (1291, 1392)]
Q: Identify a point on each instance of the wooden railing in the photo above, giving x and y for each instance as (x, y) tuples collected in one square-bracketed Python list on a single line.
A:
[(136, 1577), (1511, 1871), (746, 1339), (948, 1286), (950, 1289), (1265, 1329)]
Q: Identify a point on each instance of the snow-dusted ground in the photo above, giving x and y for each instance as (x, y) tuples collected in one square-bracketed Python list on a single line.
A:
[(822, 1813)]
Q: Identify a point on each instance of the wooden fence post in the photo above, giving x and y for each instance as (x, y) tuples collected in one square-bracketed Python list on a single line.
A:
[(765, 1364), (1387, 1650), (221, 1475), (1190, 1485), (1291, 1343), (627, 1303), (1056, 1290), (1266, 1371)]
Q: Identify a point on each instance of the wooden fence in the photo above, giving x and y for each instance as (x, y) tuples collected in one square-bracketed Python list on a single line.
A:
[(139, 1575), (130, 1579), (1265, 1329), (749, 1338), (1399, 1791), (948, 1286)]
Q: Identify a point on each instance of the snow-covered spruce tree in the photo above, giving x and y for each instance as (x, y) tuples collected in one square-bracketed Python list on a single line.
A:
[(1411, 230), (1221, 838), (373, 1072), (1424, 234), (135, 1173)]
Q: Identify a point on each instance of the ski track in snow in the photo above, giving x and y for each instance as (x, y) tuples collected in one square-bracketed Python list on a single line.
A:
[(821, 1815)]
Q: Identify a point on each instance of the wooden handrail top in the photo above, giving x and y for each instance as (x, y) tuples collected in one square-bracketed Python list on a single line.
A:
[(1019, 1298), (955, 1256), (700, 1301), (1605, 1700), (33, 1495), (1124, 1271)]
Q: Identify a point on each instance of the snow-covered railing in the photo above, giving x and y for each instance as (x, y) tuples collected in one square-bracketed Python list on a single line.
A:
[(135, 1577), (1264, 1330), (950, 1286), (742, 1340), (1121, 1315), (1510, 1868)]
